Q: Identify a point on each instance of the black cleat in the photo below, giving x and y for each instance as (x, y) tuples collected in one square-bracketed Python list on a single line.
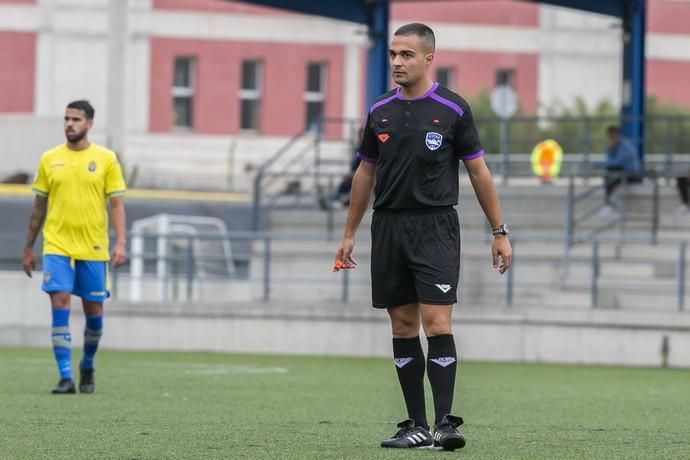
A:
[(446, 434), (409, 436), (87, 384), (64, 387)]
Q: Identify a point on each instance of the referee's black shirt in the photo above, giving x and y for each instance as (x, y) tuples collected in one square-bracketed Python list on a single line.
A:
[(416, 145)]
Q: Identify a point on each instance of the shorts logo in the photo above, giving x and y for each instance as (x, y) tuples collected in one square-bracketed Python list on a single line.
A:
[(444, 287), (443, 362), (92, 166), (433, 140), (383, 137), (101, 294), (47, 277)]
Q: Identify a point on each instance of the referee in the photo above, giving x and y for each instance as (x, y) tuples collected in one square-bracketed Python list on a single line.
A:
[(413, 140)]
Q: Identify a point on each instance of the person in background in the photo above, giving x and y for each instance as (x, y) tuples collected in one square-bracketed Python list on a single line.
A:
[(622, 162), (74, 182)]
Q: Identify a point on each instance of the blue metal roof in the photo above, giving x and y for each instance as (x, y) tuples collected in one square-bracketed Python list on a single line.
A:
[(356, 10), (346, 10)]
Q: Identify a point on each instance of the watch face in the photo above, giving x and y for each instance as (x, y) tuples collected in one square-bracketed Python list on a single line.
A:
[(502, 230)]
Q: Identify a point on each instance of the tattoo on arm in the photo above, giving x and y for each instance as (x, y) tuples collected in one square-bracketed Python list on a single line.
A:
[(38, 215)]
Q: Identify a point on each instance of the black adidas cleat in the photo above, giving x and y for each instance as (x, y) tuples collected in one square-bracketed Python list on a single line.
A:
[(87, 384), (409, 436), (64, 387), (446, 434)]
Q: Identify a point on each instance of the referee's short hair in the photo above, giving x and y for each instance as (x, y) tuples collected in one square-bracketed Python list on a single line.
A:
[(83, 105), (423, 31)]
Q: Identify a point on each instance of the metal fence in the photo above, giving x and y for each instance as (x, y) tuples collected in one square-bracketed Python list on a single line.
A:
[(185, 274)]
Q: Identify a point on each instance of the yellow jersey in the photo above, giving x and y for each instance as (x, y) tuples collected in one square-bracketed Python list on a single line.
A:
[(77, 185)]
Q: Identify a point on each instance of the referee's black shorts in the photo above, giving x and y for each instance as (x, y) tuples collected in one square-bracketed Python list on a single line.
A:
[(415, 257)]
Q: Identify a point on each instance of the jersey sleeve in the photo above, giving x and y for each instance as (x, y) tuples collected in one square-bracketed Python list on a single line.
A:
[(114, 181), (40, 185), (369, 148), (467, 145)]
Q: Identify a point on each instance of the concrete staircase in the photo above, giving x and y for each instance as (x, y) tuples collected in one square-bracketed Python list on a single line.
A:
[(634, 276)]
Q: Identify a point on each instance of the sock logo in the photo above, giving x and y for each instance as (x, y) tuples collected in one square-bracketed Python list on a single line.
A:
[(402, 362), (444, 287), (443, 362)]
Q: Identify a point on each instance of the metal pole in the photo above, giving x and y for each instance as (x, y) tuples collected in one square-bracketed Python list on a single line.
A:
[(510, 279), (267, 268), (116, 276), (669, 151), (682, 249), (595, 273), (655, 212), (569, 224), (190, 265), (622, 220), (256, 206), (329, 209), (136, 265), (586, 147), (345, 296), (504, 150)]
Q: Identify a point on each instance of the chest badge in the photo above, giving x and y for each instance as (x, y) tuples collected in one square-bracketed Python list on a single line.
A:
[(92, 166), (383, 137), (433, 140)]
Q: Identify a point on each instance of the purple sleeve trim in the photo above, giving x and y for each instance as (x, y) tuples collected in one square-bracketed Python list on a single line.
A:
[(448, 103), (380, 103), (366, 158), (474, 155)]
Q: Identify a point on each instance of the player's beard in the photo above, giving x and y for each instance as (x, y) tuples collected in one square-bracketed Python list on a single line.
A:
[(75, 136)]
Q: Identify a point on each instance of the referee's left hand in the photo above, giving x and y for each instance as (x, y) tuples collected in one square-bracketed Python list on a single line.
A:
[(119, 255), (502, 253)]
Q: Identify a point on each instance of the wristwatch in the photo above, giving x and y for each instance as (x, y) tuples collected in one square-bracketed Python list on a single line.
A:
[(500, 230)]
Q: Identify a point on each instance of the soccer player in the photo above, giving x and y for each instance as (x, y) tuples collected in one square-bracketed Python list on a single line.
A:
[(414, 137), (73, 182)]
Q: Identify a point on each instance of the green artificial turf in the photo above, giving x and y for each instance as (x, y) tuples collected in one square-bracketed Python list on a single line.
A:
[(226, 406)]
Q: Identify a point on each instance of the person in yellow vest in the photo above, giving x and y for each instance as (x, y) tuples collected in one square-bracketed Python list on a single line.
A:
[(73, 184), (546, 159)]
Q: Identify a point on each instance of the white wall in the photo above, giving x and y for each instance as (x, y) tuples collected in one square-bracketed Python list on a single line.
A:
[(579, 57)]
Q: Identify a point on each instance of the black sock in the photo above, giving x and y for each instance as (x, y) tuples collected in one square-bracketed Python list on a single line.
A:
[(409, 362), (441, 367)]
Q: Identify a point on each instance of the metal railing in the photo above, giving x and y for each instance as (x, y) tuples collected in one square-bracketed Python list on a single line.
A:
[(583, 221), (186, 275), (583, 139), (183, 279)]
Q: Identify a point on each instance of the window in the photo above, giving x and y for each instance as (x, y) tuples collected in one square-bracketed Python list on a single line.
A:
[(183, 92), (315, 93), (250, 95), (445, 76), (505, 77)]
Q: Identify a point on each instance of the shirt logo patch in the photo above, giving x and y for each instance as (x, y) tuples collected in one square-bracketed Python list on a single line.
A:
[(383, 137), (433, 140), (92, 166)]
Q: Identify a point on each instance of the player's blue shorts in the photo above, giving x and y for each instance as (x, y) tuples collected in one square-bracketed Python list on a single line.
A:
[(87, 279)]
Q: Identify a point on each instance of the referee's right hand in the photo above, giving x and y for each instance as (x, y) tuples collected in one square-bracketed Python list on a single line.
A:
[(343, 256), (28, 261)]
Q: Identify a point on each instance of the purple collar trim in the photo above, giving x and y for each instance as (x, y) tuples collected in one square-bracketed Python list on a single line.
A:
[(427, 94)]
